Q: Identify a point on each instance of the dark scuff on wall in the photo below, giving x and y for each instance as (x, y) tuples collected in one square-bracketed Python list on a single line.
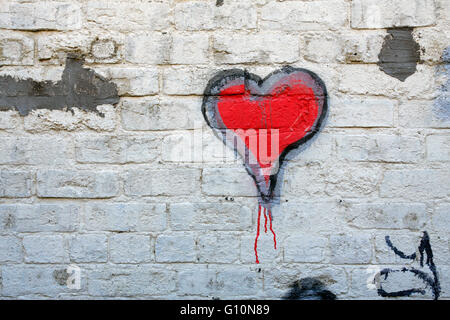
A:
[(309, 289), (400, 53), (79, 88)]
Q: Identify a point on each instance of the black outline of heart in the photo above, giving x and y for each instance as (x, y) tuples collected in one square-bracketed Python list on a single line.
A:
[(222, 78)]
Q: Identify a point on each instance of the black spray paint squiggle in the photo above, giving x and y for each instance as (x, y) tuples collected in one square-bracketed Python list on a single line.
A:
[(431, 281)]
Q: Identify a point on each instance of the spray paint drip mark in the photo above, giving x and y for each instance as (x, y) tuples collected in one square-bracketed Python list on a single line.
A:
[(257, 234), (265, 221), (271, 229), (266, 213)]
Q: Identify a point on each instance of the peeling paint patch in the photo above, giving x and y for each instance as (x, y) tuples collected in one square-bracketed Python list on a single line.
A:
[(60, 276), (400, 53), (79, 88)]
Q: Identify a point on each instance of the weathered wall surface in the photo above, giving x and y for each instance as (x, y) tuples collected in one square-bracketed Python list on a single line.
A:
[(99, 99)]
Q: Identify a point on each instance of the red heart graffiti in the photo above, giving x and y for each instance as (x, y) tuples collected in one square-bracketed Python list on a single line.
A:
[(280, 113), (284, 110)]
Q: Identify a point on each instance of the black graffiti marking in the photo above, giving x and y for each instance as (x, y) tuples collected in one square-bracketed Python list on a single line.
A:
[(309, 289), (255, 84), (399, 54), (398, 252), (219, 3), (79, 88), (431, 281)]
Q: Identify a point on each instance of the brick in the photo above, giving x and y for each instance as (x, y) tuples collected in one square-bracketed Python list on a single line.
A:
[(387, 215), (44, 120), (444, 281), (438, 148), (358, 112), (175, 248), (218, 248), (133, 81), (52, 48), (314, 44), (319, 180), (116, 149), (440, 243), (421, 114), (228, 182), (77, 184), (34, 151), (210, 216), (361, 49), (186, 80), (213, 149), (239, 281), (235, 16), (15, 184), (45, 249), (360, 278), (368, 79), (9, 119), (39, 217), (130, 248), (303, 217), (441, 218), (16, 49), (196, 146), (155, 182), (33, 279), (415, 184), (10, 249), (258, 48), (151, 48), (104, 50), (431, 40), (310, 248), (189, 48), (186, 146), (351, 248), (200, 280), (301, 16), (387, 14), (41, 16), (130, 281), (142, 217), (88, 248), (129, 16), (384, 148), (154, 114), (213, 281)]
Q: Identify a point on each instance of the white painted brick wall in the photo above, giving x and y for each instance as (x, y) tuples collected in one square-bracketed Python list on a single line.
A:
[(117, 195)]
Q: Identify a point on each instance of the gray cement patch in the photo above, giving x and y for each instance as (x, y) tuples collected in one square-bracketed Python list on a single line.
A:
[(79, 88), (400, 53)]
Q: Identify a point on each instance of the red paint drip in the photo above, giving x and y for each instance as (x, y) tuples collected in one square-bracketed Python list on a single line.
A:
[(265, 221), (274, 236), (257, 234)]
